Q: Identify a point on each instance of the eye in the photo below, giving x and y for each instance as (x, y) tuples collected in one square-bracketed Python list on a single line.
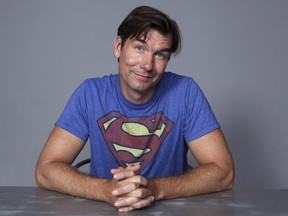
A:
[(161, 56), (139, 48)]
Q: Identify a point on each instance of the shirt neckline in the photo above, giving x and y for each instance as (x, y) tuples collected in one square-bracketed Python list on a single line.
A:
[(134, 105)]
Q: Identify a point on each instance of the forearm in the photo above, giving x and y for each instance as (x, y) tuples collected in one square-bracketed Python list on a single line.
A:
[(203, 179), (58, 176)]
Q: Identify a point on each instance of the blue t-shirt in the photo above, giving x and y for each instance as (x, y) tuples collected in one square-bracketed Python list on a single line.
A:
[(154, 134)]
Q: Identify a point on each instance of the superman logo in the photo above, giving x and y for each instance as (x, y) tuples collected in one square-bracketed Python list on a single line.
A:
[(134, 140)]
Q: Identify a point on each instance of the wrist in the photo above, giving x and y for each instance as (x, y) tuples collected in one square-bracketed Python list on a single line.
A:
[(105, 189), (100, 189), (155, 188)]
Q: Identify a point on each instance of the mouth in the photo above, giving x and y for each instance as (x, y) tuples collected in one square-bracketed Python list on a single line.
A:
[(141, 76)]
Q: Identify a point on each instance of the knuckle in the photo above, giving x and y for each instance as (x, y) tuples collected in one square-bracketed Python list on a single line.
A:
[(141, 204), (138, 178), (138, 193), (144, 193), (135, 186), (127, 173), (141, 180), (138, 205)]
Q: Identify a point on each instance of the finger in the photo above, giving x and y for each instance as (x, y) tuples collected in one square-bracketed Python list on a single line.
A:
[(137, 179), (123, 174), (117, 170), (144, 202), (133, 198), (140, 193), (140, 204), (127, 188), (130, 184), (134, 168), (126, 201)]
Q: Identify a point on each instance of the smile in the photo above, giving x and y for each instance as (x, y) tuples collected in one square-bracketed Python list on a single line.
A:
[(142, 77)]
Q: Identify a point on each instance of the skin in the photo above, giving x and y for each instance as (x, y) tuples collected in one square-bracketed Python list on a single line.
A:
[(141, 66)]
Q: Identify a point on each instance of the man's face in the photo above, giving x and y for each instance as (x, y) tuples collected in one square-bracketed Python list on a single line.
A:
[(141, 64)]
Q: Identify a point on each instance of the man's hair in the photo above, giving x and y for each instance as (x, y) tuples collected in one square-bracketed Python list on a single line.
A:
[(140, 20)]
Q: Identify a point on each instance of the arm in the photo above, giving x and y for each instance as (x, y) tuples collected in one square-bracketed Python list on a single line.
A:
[(214, 173), (54, 171)]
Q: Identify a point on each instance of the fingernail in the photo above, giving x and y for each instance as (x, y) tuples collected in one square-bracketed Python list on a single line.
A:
[(121, 210), (115, 192), (115, 176)]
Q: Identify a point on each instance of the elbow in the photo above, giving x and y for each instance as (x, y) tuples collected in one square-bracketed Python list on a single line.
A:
[(39, 176), (229, 183), (225, 177), (39, 181), (228, 180)]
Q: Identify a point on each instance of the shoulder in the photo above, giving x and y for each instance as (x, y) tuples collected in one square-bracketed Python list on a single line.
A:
[(177, 78), (104, 80), (98, 83), (180, 82), (92, 87)]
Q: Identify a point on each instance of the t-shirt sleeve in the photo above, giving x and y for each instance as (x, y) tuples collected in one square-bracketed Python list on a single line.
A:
[(74, 118), (199, 117)]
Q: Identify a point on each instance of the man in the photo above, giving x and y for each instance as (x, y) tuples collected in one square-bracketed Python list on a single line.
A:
[(141, 123)]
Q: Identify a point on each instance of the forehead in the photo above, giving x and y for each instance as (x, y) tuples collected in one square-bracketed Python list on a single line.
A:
[(154, 37)]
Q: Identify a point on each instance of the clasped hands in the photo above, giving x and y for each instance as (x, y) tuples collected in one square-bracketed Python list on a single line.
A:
[(131, 191)]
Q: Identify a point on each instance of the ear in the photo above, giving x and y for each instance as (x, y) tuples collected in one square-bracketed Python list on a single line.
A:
[(117, 46)]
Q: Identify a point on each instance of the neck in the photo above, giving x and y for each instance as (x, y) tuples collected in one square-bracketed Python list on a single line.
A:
[(138, 97)]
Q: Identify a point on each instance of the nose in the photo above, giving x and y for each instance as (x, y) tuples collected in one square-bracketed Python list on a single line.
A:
[(147, 62)]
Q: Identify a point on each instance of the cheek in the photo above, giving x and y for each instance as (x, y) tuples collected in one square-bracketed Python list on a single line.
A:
[(160, 69), (131, 60)]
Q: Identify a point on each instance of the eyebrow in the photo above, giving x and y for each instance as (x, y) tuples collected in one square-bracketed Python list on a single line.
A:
[(140, 40), (158, 51), (164, 50)]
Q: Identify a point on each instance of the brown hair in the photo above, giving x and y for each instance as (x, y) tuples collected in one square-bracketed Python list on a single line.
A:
[(140, 20)]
